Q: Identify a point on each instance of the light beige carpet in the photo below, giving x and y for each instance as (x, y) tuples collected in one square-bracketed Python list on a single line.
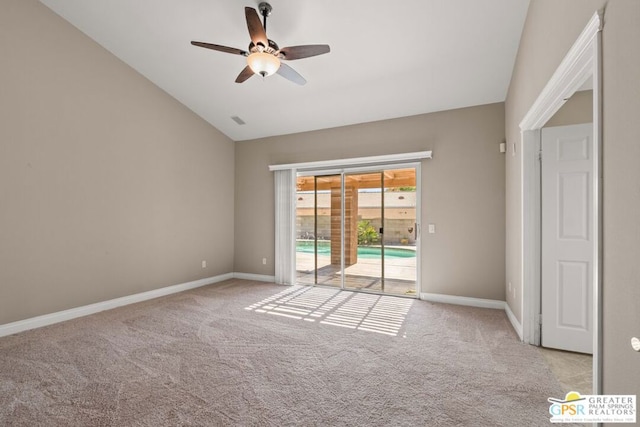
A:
[(242, 353)]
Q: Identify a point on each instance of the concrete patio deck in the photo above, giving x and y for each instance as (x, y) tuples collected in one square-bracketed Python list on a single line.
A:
[(400, 274)]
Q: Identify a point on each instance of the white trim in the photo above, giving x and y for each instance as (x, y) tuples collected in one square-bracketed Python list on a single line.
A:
[(583, 60), (514, 321), (598, 256), (531, 260), (370, 160), (72, 313), (575, 69), (468, 301), (256, 277)]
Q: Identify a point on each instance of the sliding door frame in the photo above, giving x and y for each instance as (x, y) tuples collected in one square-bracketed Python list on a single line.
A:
[(286, 220), (351, 170)]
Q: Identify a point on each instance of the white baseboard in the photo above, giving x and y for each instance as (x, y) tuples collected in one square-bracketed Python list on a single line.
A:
[(61, 316), (256, 277), (514, 321), (477, 302), (472, 302)]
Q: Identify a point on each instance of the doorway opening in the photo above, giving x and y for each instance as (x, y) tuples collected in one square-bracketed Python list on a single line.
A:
[(358, 229), (567, 247)]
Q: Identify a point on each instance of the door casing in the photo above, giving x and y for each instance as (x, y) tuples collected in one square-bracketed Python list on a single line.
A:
[(583, 61)]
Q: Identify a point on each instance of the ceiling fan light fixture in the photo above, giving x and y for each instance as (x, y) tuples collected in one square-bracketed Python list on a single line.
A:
[(264, 55), (263, 63)]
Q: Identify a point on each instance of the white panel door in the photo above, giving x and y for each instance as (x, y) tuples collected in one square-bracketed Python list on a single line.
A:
[(567, 238)]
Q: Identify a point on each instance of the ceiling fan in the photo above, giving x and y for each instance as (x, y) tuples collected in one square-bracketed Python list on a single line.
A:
[(264, 56)]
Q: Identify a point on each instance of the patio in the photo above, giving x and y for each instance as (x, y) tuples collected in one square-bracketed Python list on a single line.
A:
[(399, 273)]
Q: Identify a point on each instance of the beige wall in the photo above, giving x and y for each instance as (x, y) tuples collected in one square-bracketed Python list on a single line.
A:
[(621, 234), (550, 29), (462, 189), (578, 109), (108, 186)]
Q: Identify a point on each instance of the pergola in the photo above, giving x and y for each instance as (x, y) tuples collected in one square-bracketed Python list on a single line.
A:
[(392, 178)]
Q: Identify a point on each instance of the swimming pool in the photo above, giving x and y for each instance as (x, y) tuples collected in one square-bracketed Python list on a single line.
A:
[(365, 252)]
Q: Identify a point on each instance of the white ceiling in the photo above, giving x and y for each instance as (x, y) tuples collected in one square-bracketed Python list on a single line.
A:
[(387, 59)]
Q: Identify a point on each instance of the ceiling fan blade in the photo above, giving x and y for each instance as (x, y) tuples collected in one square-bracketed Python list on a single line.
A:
[(244, 74), (256, 31), (305, 51), (291, 74), (221, 48)]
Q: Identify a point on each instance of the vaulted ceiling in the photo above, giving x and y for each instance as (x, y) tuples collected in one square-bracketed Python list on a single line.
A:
[(387, 59)]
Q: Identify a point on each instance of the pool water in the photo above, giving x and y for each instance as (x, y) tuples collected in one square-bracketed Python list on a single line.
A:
[(365, 252)]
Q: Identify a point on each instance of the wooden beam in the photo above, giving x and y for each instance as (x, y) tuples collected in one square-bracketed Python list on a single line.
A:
[(395, 178)]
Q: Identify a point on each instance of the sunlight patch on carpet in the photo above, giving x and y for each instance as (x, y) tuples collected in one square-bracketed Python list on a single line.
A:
[(364, 312)]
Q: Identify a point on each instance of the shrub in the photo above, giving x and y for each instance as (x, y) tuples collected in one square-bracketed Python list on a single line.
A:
[(367, 233)]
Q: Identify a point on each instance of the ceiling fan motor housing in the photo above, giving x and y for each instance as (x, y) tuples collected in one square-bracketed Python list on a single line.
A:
[(272, 48)]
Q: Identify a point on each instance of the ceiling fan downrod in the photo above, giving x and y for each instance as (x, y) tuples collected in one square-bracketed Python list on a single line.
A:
[(265, 10)]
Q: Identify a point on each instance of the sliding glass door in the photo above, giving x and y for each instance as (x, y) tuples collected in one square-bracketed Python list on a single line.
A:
[(319, 230), (357, 230), (400, 224), (364, 253)]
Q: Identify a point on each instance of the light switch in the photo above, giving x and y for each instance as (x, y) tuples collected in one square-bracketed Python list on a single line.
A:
[(635, 343), (432, 228)]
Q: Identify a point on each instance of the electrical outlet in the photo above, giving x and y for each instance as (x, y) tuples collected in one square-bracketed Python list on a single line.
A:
[(264, 261), (509, 286), (204, 264)]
